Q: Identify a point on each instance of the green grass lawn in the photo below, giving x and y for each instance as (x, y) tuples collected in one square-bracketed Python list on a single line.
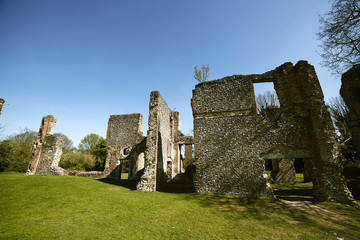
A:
[(66, 207)]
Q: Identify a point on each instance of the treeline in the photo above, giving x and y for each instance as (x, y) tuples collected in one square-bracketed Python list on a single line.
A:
[(16, 152), (90, 156)]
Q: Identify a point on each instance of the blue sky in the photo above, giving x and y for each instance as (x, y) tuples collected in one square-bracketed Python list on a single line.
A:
[(83, 61)]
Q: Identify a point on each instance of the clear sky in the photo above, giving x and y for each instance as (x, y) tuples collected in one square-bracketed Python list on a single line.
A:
[(83, 61)]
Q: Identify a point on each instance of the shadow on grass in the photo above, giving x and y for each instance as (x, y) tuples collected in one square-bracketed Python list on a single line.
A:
[(294, 192), (299, 209), (129, 184), (179, 188), (345, 221), (295, 195)]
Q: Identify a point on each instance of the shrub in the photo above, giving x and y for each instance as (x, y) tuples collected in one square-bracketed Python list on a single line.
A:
[(16, 151), (77, 161)]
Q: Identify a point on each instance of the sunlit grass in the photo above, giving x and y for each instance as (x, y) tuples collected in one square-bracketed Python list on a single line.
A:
[(55, 207)]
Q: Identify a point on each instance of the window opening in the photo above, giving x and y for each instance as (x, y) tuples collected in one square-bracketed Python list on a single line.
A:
[(265, 96)]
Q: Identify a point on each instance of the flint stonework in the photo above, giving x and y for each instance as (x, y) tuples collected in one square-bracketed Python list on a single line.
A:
[(232, 140), (162, 154), (350, 92), (123, 135), (47, 150), (283, 171)]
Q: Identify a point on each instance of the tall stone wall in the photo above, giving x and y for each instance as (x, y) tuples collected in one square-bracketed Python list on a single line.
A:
[(2, 101), (47, 150), (123, 135), (232, 139), (225, 136), (350, 92), (161, 145)]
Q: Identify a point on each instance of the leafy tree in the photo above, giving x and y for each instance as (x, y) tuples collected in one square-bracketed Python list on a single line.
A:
[(202, 75), (267, 99), (340, 36), (89, 142), (96, 146), (100, 153), (6, 149), (16, 151)]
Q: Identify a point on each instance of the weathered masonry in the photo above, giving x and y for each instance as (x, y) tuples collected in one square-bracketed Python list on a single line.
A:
[(47, 150), (153, 160), (162, 154), (123, 138), (350, 92), (2, 101), (232, 140)]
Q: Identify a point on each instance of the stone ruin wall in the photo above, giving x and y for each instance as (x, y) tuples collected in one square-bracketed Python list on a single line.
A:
[(2, 101), (283, 171), (350, 92), (125, 144), (232, 140), (162, 154), (123, 135), (47, 150)]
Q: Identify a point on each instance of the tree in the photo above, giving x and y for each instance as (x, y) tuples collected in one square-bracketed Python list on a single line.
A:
[(16, 151), (202, 75), (89, 142), (100, 153), (267, 99), (340, 116), (340, 36)]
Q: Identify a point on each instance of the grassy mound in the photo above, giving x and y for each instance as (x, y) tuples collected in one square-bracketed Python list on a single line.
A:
[(55, 207)]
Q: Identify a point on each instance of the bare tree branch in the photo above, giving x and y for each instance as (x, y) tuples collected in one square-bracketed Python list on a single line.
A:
[(340, 36)]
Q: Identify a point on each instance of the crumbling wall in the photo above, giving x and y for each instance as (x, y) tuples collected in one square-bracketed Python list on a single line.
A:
[(2, 101), (162, 152), (350, 92), (50, 156), (123, 135), (47, 150), (232, 140)]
